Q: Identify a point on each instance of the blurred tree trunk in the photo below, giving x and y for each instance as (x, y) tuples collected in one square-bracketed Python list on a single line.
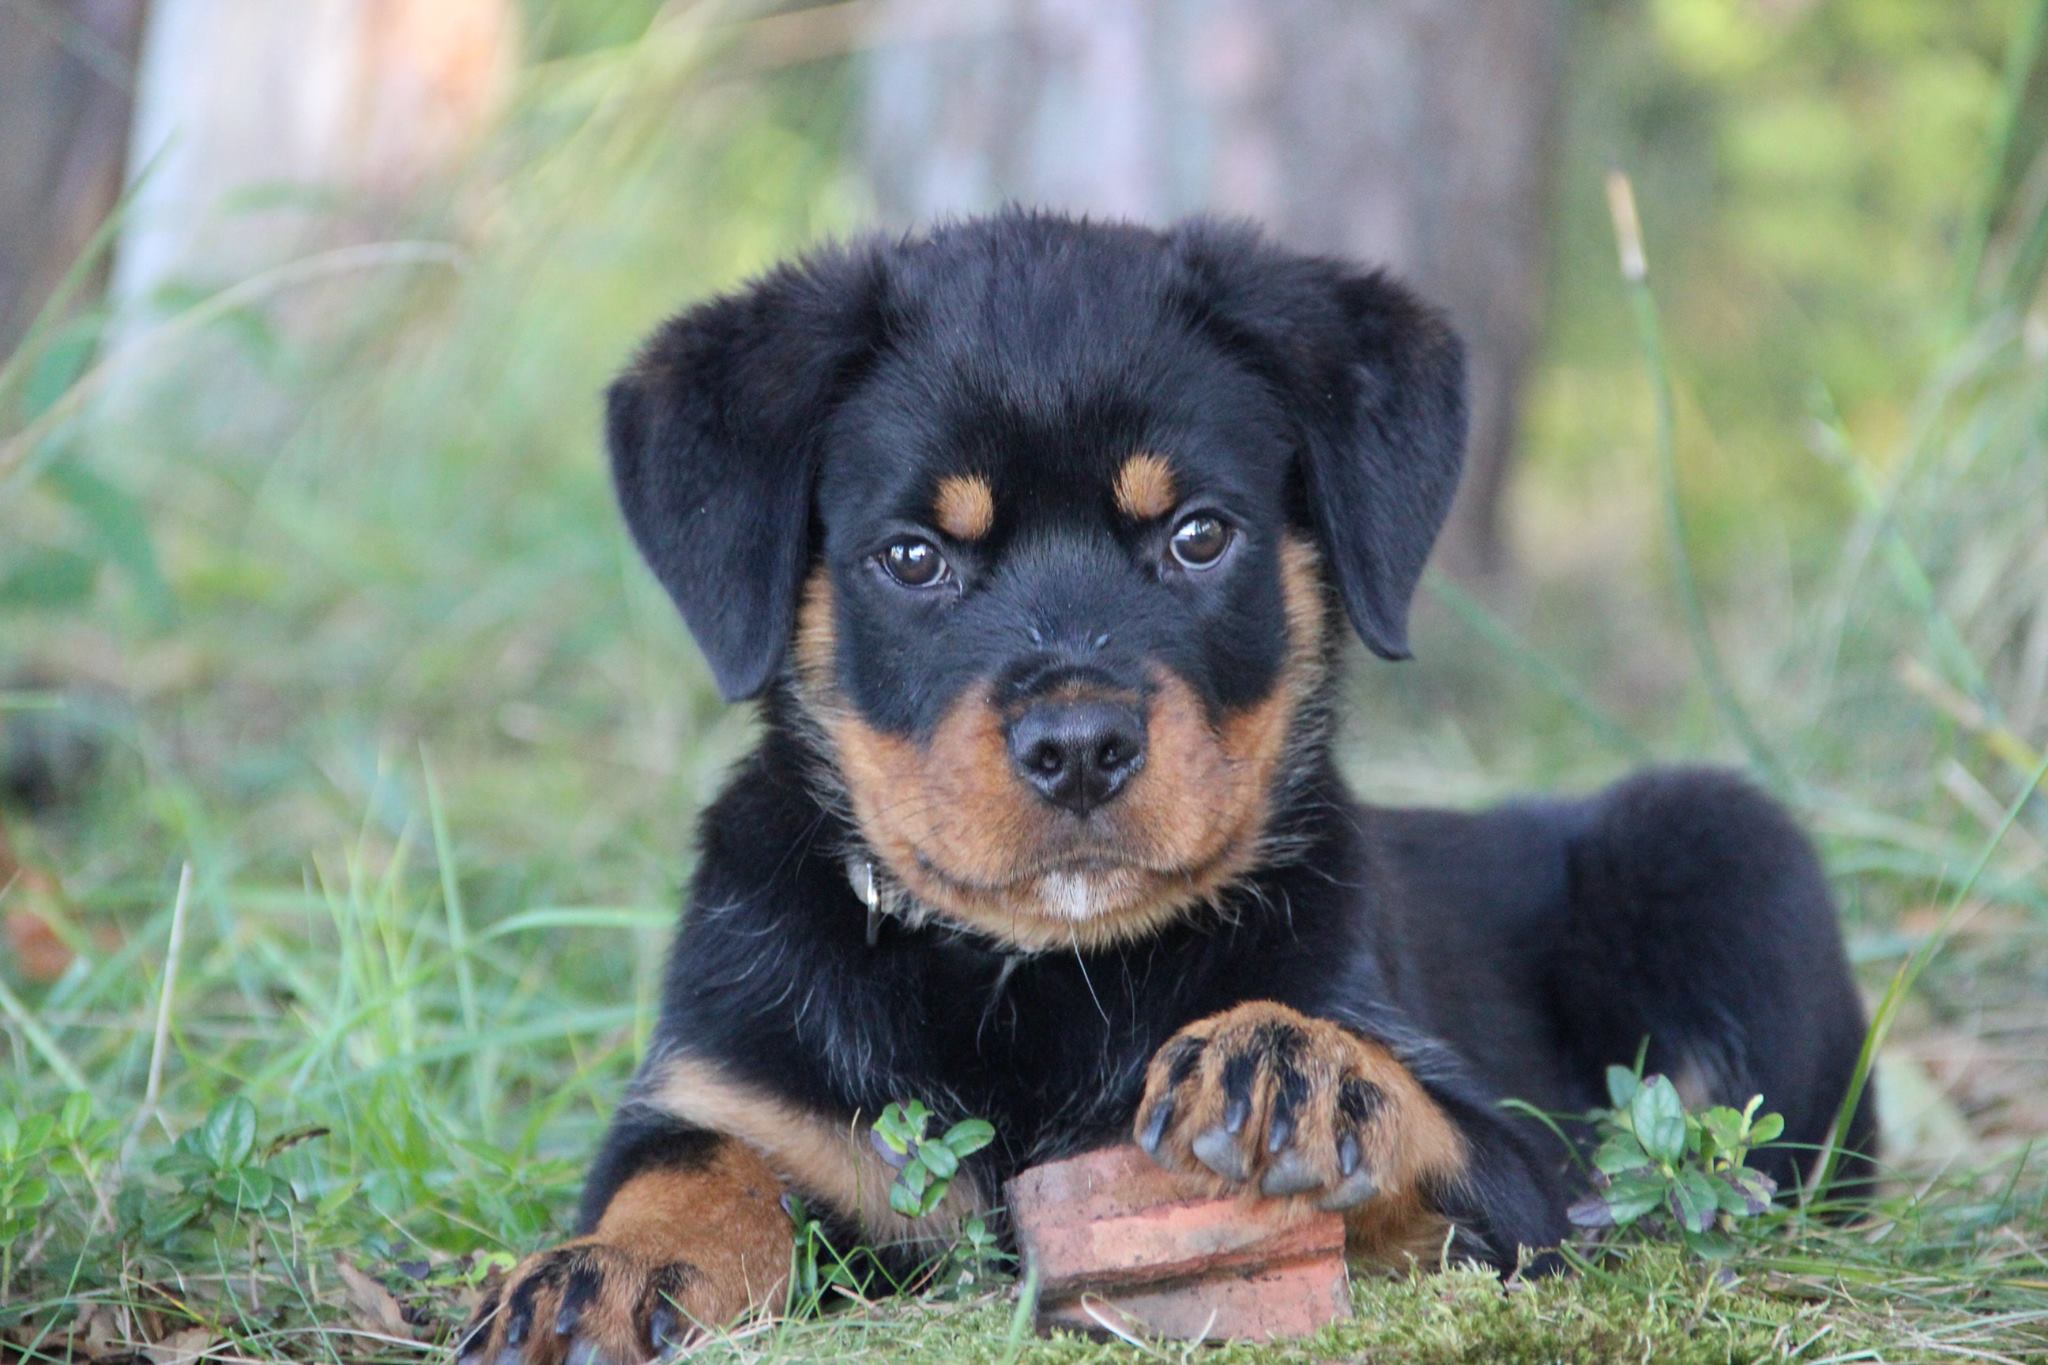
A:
[(276, 128), (1414, 133), (67, 73)]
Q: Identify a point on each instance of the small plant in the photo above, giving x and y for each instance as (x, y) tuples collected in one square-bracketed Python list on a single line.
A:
[(973, 1260), (1656, 1160), (819, 1269), (36, 1152), (217, 1171), (925, 1166)]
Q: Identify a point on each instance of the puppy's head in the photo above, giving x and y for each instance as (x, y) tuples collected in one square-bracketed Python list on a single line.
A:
[(1035, 525)]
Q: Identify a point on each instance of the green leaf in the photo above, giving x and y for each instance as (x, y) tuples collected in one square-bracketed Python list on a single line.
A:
[(229, 1135), (1767, 1128), (10, 1134), (1744, 1192), (76, 1114), (903, 1201), (1621, 1086), (1711, 1245), (1724, 1126), (1633, 1195), (915, 1177), (1591, 1212), (1694, 1200), (969, 1136), (939, 1159), (1658, 1118), (36, 1132), (255, 1187), (165, 1219), (30, 1194), (1620, 1152), (63, 360), (48, 580), (185, 1167), (120, 531)]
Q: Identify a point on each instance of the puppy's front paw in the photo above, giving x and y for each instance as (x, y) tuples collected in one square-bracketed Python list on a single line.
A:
[(1269, 1099), (681, 1247), (581, 1303)]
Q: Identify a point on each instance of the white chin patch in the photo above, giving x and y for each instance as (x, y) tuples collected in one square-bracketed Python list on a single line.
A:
[(1068, 895)]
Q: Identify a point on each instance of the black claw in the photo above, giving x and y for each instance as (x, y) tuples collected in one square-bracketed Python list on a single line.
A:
[(470, 1345), (1280, 1130), (1291, 1174), (662, 1328), (1238, 1073), (1347, 1154), (1218, 1150), (1155, 1126), (1354, 1189), (582, 1286), (515, 1330), (664, 1321), (1183, 1056), (508, 1356), (1358, 1100)]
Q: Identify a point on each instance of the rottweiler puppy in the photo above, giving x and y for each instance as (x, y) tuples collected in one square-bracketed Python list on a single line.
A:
[(1037, 541)]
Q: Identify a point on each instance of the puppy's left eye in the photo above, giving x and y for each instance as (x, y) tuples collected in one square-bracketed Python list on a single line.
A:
[(915, 563), (1200, 540)]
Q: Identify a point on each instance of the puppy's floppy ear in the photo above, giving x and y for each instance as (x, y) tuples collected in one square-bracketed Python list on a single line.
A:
[(715, 433), (1376, 380)]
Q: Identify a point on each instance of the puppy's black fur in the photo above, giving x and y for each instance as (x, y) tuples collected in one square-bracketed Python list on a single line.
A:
[(1015, 831)]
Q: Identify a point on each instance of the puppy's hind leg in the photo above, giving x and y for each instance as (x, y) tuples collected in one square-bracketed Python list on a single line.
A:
[(1700, 920)]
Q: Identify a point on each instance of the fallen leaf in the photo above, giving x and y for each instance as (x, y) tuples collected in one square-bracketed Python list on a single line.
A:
[(372, 1302), (180, 1348), (29, 898)]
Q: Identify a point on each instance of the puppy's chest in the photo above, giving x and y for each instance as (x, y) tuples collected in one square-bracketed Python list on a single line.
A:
[(1054, 1048)]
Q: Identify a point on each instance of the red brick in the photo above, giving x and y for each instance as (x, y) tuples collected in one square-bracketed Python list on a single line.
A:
[(1121, 1245)]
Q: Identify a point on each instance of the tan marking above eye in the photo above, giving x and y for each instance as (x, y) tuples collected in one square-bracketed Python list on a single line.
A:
[(964, 507), (1144, 487)]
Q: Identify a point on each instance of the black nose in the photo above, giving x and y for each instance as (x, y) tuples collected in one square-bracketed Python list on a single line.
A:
[(1078, 754)]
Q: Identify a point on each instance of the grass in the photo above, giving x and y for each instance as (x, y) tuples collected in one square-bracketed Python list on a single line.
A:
[(400, 748)]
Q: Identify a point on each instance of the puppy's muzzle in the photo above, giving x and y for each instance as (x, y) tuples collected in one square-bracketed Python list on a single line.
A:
[(1078, 753)]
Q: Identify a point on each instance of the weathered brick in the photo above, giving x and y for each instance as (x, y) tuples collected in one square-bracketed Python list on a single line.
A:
[(1121, 1245)]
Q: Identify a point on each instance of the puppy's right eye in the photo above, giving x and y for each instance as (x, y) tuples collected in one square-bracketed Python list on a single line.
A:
[(1200, 540), (915, 563)]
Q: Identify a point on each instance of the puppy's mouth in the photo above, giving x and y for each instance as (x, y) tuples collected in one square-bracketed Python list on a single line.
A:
[(1077, 889), (1096, 863)]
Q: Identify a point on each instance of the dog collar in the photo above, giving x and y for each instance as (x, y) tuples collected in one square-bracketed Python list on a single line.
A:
[(875, 889), (883, 901), (861, 872)]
